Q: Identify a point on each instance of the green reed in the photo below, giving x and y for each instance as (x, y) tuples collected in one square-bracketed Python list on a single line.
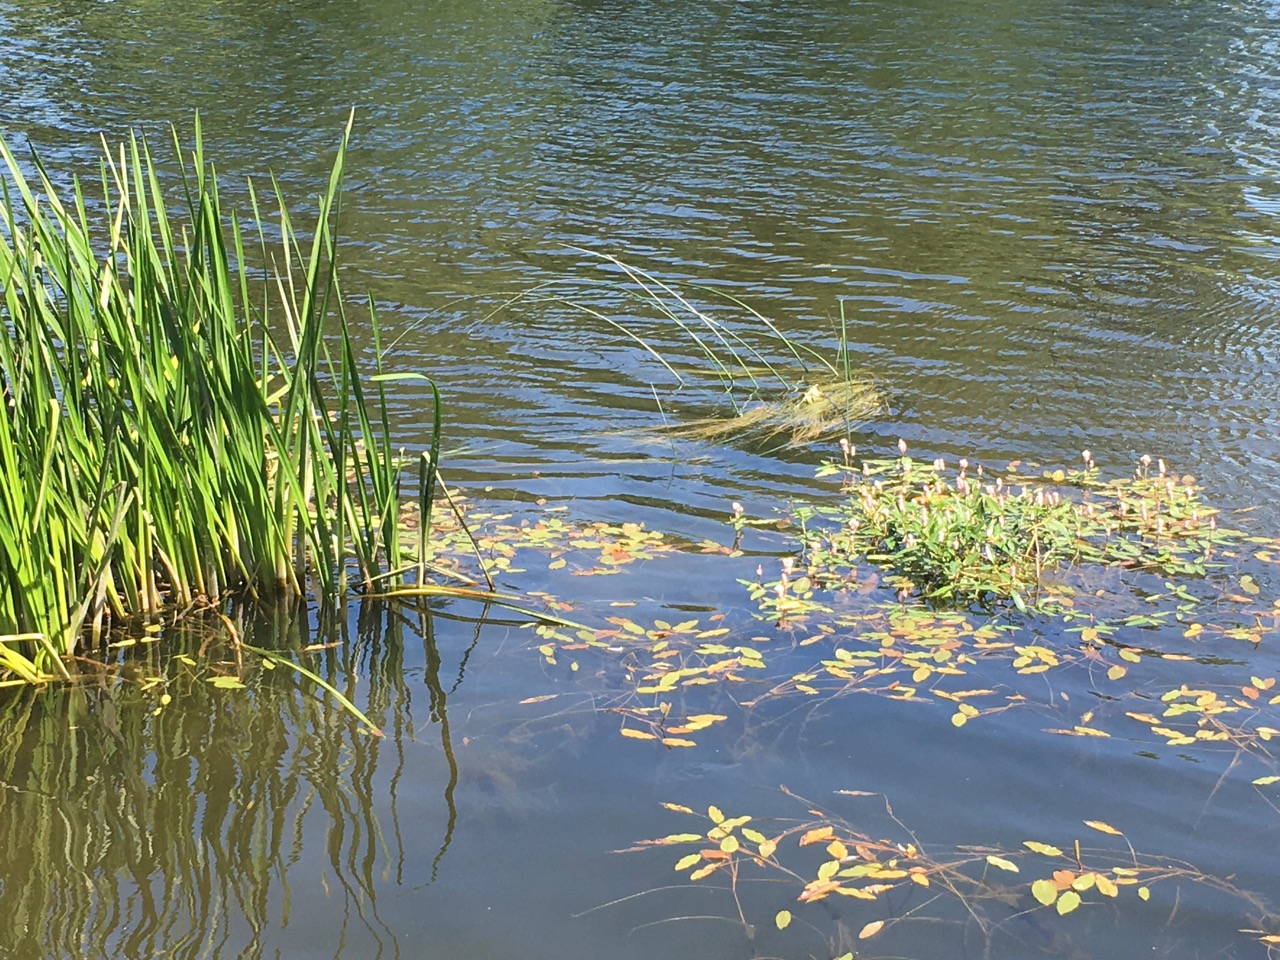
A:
[(175, 425)]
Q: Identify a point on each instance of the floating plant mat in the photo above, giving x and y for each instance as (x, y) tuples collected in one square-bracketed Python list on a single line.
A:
[(1116, 610), (981, 890)]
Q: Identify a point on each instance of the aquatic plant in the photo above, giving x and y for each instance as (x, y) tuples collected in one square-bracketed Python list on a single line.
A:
[(982, 536), (986, 883), (175, 425), (777, 387)]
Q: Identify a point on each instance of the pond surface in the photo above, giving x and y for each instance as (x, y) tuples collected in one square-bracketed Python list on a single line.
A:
[(1047, 226)]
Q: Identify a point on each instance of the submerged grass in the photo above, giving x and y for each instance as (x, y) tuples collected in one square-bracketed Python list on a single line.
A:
[(776, 387), (174, 424)]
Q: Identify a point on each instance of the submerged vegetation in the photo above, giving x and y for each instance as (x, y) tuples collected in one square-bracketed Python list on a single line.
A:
[(778, 390)]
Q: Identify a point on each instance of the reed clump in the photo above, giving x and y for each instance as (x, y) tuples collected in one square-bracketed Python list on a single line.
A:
[(175, 425)]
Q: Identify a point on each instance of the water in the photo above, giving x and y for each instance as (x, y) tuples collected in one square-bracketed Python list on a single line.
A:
[(1049, 227)]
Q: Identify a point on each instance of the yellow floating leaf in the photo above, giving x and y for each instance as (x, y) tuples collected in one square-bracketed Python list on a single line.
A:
[(871, 929), (818, 890), (1106, 886), (837, 850), (1103, 827), (684, 863), (1116, 672), (767, 848), (227, 683), (730, 844), (920, 878), (755, 836), (1194, 630), (715, 814), (1047, 849), (1144, 893), (1092, 731), (1250, 586), (703, 871), (1002, 863), (1133, 656), (542, 699), (678, 742), (783, 919), (681, 838), (1263, 781), (637, 734), (557, 564), (678, 807), (959, 719), (817, 835), (856, 892), (1044, 891), (1068, 902), (1084, 882)]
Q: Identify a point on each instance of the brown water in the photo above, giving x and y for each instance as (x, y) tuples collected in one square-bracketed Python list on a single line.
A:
[(1048, 225)]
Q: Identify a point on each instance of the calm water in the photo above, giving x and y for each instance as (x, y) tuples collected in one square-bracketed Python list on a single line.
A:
[(1048, 225)]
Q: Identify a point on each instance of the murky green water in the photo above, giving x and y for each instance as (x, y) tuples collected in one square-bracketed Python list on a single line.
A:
[(1050, 225)]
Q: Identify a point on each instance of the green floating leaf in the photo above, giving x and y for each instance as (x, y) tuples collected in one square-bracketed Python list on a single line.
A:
[(1045, 892), (1068, 902), (1044, 848), (783, 919)]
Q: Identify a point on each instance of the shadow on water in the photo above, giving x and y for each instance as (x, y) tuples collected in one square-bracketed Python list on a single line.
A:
[(198, 828)]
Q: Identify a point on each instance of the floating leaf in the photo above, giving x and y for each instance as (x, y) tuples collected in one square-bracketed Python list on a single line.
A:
[(678, 807), (681, 838), (637, 734), (783, 919), (542, 699), (678, 742), (715, 814), (871, 929), (704, 871), (1106, 886), (1068, 902), (1103, 827), (1044, 848), (816, 835), (1263, 781), (767, 847), (1084, 882), (684, 863), (1002, 863), (226, 683), (1044, 891), (1116, 672), (1144, 893), (730, 844)]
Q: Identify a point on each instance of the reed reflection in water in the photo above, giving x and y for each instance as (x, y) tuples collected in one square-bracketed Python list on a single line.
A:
[(204, 828)]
